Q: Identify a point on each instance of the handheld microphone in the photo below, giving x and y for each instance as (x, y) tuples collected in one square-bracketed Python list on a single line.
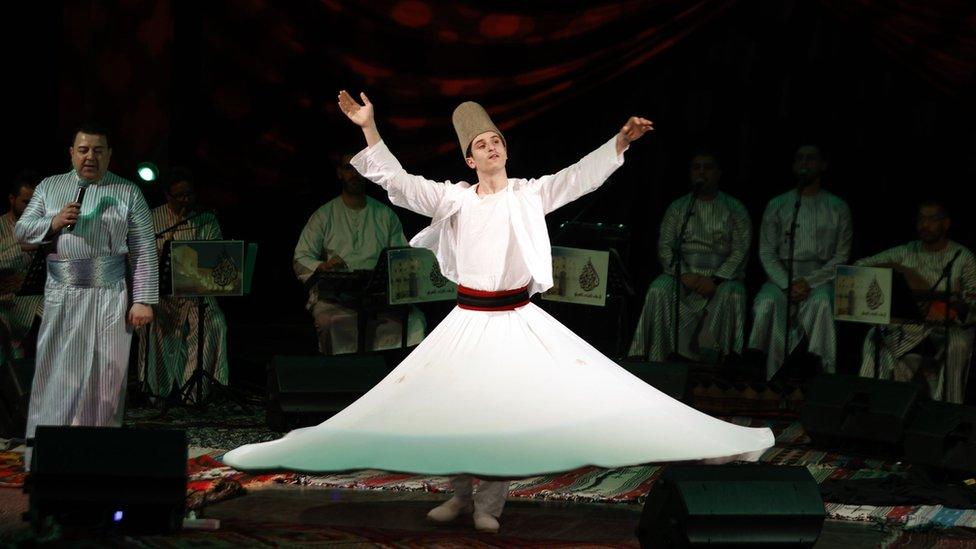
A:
[(79, 196)]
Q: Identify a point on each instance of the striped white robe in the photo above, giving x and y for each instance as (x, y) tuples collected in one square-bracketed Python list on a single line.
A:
[(83, 345), (168, 346), (823, 240), (16, 312), (716, 243), (898, 340)]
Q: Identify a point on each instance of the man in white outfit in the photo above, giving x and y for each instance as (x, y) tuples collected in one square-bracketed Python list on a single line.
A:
[(485, 151), (486, 393)]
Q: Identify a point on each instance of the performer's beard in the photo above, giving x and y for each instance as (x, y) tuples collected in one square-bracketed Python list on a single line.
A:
[(355, 187), (931, 237)]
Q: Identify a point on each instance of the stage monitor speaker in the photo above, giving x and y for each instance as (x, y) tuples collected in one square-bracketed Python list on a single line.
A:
[(732, 506), (108, 478), (943, 435), (859, 410), (671, 378), (16, 376), (306, 390)]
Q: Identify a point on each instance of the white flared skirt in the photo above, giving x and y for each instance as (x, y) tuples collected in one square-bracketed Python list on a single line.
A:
[(505, 394)]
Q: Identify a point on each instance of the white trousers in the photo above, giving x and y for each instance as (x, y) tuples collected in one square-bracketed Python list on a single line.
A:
[(490, 497)]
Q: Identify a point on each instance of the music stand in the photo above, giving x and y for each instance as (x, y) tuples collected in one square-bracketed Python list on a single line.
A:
[(611, 294), (893, 301), (208, 268), (36, 275), (410, 276)]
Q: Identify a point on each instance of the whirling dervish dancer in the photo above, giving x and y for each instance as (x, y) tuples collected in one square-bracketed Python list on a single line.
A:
[(499, 389)]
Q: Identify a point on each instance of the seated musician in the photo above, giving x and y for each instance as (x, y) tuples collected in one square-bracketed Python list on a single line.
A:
[(17, 312), (347, 234), (714, 249), (168, 345), (913, 351)]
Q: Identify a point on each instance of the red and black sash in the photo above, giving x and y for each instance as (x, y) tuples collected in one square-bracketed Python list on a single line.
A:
[(481, 300)]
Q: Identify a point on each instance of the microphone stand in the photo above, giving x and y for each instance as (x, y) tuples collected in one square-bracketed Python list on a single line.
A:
[(789, 273), (677, 258), (947, 299), (179, 224)]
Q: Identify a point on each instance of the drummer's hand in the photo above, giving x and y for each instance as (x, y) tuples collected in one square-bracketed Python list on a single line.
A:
[(333, 263), (935, 315)]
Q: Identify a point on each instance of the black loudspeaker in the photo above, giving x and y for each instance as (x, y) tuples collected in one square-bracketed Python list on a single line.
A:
[(16, 376), (732, 506), (943, 435), (108, 478), (306, 390), (858, 410), (671, 378)]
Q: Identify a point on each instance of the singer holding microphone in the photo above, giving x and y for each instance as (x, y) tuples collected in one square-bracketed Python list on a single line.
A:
[(822, 240), (937, 352), (100, 225), (168, 347), (711, 233)]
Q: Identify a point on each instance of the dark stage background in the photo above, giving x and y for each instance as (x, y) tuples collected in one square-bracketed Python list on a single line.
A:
[(244, 92)]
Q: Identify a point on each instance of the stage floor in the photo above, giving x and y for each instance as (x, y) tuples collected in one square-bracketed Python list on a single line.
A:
[(294, 515)]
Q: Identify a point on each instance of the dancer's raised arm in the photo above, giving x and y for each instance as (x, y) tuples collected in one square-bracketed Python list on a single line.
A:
[(378, 164), (361, 115), (589, 173)]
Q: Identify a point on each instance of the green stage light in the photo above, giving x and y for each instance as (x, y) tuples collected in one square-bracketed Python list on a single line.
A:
[(148, 172)]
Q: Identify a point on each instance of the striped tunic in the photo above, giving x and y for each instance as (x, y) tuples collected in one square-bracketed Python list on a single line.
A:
[(901, 339), (824, 232), (16, 312), (83, 344), (716, 243), (168, 346)]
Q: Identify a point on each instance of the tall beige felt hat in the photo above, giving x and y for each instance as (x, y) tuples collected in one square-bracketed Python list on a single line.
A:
[(471, 120)]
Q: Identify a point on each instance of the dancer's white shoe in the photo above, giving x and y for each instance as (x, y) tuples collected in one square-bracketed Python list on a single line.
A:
[(450, 509)]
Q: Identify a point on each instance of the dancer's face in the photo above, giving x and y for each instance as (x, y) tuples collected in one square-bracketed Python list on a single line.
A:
[(488, 153)]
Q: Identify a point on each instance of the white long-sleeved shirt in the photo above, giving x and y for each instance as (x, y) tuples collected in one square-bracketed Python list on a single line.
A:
[(530, 200)]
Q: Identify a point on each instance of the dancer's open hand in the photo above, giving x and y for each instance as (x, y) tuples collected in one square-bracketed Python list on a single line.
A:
[(361, 115), (632, 130)]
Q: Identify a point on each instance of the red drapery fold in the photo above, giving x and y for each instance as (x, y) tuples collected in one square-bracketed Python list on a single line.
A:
[(935, 38), (427, 57)]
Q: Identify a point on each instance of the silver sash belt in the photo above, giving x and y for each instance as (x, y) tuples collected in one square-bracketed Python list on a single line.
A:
[(97, 272)]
